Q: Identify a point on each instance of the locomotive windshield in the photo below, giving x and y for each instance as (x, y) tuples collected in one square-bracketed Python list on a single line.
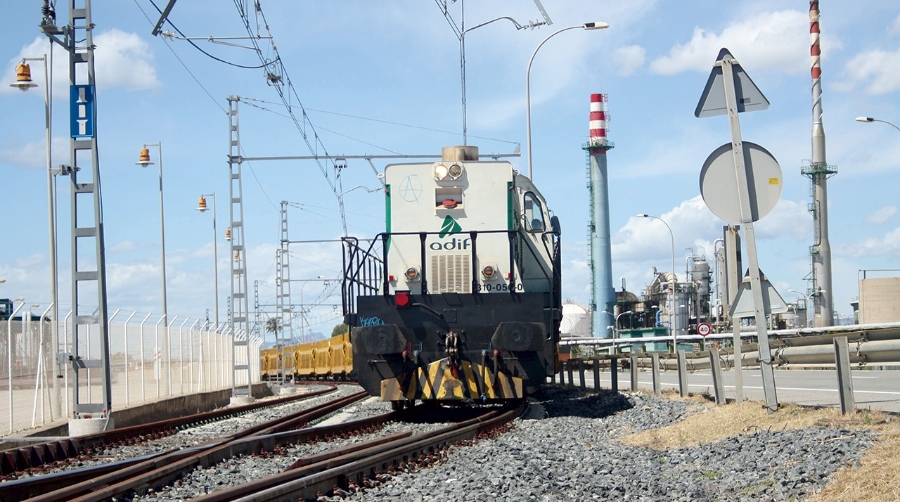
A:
[(534, 216)]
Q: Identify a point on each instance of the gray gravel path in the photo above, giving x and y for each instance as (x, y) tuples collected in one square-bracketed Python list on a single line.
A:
[(572, 454)]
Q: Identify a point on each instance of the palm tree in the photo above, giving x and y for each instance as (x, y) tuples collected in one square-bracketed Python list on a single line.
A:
[(273, 325)]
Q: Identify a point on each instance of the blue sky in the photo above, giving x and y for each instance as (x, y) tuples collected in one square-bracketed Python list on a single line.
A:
[(383, 77)]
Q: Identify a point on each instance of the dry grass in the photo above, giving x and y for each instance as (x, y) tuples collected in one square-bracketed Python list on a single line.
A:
[(876, 479)]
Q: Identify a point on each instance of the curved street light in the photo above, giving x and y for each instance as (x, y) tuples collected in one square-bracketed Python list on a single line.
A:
[(462, 57), (585, 26), (24, 83), (806, 298), (870, 119), (144, 161), (201, 206), (674, 281)]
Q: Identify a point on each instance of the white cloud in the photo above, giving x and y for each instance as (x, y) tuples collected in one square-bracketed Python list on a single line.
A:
[(788, 218), (642, 239), (23, 154), (882, 215), (122, 60), (889, 245), (629, 58), (769, 40), (878, 72), (33, 155), (894, 27)]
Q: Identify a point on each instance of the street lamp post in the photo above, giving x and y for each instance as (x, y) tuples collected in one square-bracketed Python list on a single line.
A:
[(806, 298), (23, 83), (585, 26), (201, 206), (674, 282), (145, 161), (870, 119), (462, 56)]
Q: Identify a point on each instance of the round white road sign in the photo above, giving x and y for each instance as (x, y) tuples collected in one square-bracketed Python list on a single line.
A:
[(704, 329), (719, 186)]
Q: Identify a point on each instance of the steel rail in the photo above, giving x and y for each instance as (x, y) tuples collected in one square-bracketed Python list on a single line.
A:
[(33, 456), (309, 482), (158, 470)]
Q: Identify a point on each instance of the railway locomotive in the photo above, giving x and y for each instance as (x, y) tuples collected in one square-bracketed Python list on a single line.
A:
[(460, 298)]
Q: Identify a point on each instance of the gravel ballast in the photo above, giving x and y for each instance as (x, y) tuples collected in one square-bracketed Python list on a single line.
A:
[(572, 454)]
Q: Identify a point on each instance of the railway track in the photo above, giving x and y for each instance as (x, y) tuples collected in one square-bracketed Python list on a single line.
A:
[(70, 483), (341, 471), (329, 465), (35, 458)]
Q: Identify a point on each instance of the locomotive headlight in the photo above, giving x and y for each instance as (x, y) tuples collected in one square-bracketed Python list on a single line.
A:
[(455, 171), (490, 272), (412, 274), (440, 172)]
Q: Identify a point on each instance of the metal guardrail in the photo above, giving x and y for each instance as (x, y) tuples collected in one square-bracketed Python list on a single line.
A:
[(839, 346)]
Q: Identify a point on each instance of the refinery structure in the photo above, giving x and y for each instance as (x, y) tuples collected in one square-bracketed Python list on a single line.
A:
[(703, 298)]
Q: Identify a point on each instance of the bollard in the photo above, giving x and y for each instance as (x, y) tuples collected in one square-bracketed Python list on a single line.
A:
[(845, 382), (569, 370), (655, 360), (634, 374), (716, 368), (614, 374), (581, 373), (596, 363), (682, 374)]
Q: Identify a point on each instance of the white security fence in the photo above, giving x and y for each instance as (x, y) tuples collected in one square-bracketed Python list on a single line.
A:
[(149, 360)]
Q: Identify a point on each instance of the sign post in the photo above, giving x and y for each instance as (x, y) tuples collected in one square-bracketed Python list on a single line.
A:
[(749, 98)]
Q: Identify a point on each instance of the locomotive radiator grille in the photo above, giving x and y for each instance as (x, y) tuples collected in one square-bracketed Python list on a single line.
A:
[(450, 273)]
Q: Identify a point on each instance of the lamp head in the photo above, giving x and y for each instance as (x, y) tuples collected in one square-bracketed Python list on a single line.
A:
[(643, 216), (201, 205), (596, 25), (144, 159), (865, 119), (23, 77)]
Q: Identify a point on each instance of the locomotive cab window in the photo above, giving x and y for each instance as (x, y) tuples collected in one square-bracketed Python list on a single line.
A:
[(534, 214)]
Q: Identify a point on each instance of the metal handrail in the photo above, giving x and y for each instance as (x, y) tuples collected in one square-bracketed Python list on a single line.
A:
[(353, 277)]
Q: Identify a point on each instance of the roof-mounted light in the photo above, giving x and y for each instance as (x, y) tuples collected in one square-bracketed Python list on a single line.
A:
[(440, 171), (455, 171)]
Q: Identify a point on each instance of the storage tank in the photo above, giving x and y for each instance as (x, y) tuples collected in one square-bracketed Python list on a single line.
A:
[(576, 321)]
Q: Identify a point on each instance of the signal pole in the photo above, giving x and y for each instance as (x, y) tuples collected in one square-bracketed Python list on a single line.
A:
[(88, 275)]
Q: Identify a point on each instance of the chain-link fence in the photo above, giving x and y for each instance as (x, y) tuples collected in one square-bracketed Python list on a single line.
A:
[(148, 361)]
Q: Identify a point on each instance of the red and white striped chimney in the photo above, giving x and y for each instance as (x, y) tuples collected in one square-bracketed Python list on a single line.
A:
[(598, 120)]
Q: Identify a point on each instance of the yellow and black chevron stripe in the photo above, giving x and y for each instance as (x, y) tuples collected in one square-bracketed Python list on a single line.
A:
[(436, 381)]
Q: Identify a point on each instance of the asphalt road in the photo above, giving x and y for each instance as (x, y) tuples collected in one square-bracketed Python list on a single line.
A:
[(872, 389)]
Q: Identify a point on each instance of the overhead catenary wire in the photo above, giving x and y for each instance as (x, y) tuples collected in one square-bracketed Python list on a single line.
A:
[(214, 100), (198, 47), (277, 76), (380, 121)]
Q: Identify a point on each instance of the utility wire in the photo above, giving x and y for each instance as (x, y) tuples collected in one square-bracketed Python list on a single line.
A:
[(248, 102), (277, 76), (201, 50), (214, 100), (399, 124)]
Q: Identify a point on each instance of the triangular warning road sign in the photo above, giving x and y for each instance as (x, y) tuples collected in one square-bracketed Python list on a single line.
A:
[(742, 306), (712, 101)]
